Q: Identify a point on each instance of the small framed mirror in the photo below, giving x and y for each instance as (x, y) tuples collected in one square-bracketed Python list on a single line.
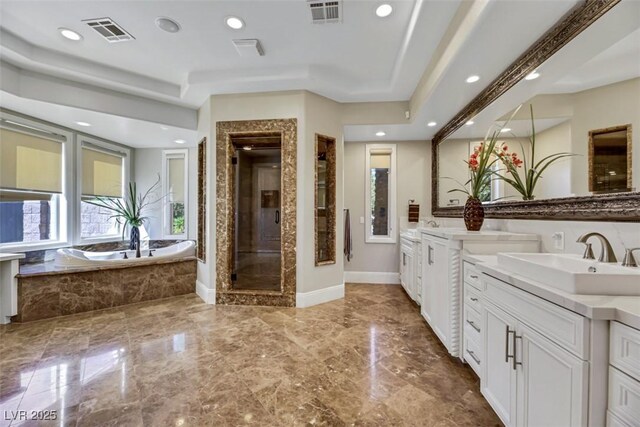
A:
[(325, 200), (610, 160)]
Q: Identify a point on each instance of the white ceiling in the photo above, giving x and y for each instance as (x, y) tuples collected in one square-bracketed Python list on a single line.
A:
[(364, 58)]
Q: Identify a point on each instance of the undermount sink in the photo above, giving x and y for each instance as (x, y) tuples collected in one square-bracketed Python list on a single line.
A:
[(571, 273)]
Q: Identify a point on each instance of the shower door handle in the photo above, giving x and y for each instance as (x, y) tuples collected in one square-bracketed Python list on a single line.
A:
[(277, 216)]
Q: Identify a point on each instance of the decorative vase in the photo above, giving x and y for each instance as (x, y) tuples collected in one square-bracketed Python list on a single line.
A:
[(134, 240), (473, 214)]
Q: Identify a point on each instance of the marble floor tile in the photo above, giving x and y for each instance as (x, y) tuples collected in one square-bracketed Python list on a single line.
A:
[(367, 360)]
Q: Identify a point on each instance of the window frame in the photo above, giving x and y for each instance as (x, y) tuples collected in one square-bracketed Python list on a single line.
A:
[(168, 154), (126, 175), (64, 215), (391, 237)]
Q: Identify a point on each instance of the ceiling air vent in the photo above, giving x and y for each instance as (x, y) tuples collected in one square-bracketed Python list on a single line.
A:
[(248, 47), (109, 30), (325, 11)]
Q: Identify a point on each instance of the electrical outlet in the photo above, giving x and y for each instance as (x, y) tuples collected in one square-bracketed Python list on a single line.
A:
[(558, 240), (361, 220)]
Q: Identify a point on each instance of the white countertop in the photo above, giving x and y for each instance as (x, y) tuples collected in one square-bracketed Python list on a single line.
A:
[(10, 257), (623, 309), (463, 234)]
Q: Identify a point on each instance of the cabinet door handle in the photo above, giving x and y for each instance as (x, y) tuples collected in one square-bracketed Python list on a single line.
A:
[(473, 356), (507, 356), (473, 299), (515, 351), (430, 260), (473, 325), (473, 276)]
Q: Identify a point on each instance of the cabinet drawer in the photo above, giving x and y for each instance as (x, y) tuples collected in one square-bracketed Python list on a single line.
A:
[(566, 328), (472, 324), (613, 421), (624, 397), (471, 275), (472, 298), (625, 349), (472, 355)]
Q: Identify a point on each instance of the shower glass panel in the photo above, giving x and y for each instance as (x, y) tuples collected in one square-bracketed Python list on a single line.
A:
[(258, 214)]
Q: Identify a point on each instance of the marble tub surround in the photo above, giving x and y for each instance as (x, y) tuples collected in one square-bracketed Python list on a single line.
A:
[(225, 231), (366, 360), (625, 309), (50, 294)]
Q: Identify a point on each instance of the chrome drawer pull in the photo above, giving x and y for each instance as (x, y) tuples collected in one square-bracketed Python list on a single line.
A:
[(473, 356), (473, 299), (473, 276), (515, 337), (473, 325)]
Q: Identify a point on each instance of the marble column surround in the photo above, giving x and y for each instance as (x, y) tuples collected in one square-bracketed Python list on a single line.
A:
[(225, 131)]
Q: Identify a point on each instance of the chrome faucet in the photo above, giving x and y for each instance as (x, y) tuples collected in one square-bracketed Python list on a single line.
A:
[(606, 253), (433, 223), (629, 260)]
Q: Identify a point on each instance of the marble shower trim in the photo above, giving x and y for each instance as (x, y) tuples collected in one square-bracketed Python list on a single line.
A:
[(225, 131), (330, 194), (43, 296)]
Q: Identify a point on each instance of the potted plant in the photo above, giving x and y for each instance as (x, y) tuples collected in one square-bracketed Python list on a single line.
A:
[(532, 170), (480, 164), (128, 212)]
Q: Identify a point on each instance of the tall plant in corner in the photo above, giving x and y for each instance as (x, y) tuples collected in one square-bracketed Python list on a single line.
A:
[(531, 170), (129, 211)]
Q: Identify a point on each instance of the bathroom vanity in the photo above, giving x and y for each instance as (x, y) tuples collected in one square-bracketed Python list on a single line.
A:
[(548, 357), (9, 286), (442, 278), (411, 264)]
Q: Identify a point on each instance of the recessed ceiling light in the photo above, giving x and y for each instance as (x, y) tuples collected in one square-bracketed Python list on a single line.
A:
[(532, 75), (234, 22), (384, 10), (179, 141), (167, 24), (70, 34), (431, 124), (469, 123), (85, 124), (164, 128), (472, 79), (505, 130), (247, 148), (380, 133)]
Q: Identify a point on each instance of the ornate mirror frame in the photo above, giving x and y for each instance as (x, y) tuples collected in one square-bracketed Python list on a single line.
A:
[(601, 207)]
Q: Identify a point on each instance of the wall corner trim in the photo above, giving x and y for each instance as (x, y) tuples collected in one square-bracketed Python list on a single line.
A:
[(308, 299), (373, 277), (207, 295)]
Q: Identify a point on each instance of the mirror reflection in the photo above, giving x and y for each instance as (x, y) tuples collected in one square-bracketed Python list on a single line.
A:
[(569, 124)]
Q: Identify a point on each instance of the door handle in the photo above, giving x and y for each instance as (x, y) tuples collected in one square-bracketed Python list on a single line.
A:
[(430, 260), (507, 356), (404, 258), (277, 217)]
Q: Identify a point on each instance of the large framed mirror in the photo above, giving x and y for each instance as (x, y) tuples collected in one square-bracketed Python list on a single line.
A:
[(574, 95)]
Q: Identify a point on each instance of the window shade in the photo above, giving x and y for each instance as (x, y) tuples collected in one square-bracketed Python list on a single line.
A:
[(176, 179), (101, 173), (380, 161), (29, 163)]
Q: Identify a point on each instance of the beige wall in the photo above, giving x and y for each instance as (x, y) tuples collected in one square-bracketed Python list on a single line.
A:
[(413, 182), (556, 179)]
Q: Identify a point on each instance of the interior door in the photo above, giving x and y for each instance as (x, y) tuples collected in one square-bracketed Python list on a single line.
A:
[(269, 212), (551, 383), (498, 383)]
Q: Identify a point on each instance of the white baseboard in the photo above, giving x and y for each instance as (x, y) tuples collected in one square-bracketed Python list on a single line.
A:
[(307, 299), (208, 295), (374, 277)]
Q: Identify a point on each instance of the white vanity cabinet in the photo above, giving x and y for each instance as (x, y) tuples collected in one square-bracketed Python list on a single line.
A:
[(442, 279), (534, 371), (407, 267)]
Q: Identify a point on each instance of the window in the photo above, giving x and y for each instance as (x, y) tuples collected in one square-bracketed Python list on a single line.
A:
[(32, 183), (174, 185), (103, 168), (380, 217)]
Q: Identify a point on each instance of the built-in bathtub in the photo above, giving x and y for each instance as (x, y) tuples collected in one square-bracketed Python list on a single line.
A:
[(68, 258), (77, 280)]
